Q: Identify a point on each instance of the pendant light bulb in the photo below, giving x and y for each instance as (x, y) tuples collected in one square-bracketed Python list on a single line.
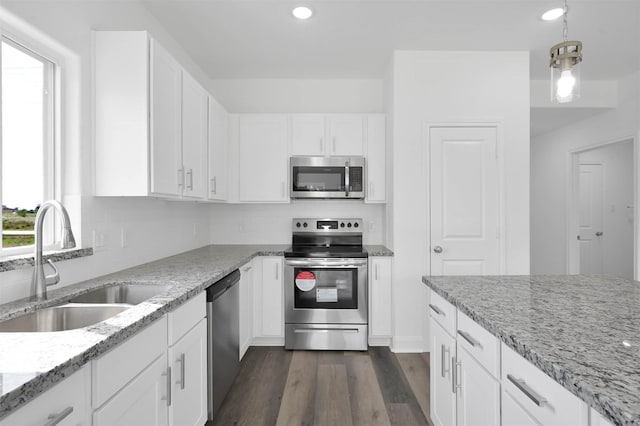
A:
[(566, 83)]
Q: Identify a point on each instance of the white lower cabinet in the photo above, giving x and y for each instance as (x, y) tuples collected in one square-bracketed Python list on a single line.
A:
[(380, 275), (246, 308), (596, 419), (443, 397), (478, 392), (268, 302), (68, 403)]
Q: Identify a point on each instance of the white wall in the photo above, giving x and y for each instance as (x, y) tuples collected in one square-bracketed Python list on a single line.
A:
[(550, 174), (153, 228), (617, 220), (271, 223), (452, 87)]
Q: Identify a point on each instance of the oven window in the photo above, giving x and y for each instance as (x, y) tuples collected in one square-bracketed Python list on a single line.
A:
[(318, 179), (326, 288)]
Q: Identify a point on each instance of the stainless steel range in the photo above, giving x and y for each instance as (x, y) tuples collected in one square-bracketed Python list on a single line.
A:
[(326, 286)]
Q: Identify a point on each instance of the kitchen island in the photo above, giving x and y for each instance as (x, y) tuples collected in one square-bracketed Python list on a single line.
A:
[(582, 331)]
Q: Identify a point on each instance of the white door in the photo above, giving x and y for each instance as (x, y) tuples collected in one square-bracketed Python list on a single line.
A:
[(514, 414), (195, 117), (443, 399), (307, 134), (591, 209), (167, 175), (478, 394), (464, 217)]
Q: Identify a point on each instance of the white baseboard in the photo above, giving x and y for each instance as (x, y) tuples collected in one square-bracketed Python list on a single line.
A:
[(407, 344), (267, 341), (379, 341)]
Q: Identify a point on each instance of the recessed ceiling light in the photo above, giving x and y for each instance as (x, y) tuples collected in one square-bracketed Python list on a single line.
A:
[(552, 14), (302, 12)]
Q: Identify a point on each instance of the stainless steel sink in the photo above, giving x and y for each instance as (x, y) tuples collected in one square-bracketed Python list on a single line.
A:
[(130, 294), (61, 318)]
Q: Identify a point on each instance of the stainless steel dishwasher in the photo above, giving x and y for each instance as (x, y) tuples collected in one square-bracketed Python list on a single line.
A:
[(223, 339)]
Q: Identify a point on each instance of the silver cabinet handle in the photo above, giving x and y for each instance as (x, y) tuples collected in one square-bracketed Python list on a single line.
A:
[(168, 397), (444, 357), (473, 342), (54, 419), (180, 177), (346, 175), (215, 185), (182, 368), (522, 385), (437, 310), (599, 234), (437, 249), (190, 179), (454, 375)]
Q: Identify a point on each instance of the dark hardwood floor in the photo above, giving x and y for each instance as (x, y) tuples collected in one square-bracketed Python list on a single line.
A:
[(280, 387)]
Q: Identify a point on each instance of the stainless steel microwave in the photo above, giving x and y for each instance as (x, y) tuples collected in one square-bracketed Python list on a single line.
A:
[(327, 177)]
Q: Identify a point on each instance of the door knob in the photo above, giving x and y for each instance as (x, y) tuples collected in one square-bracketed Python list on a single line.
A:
[(437, 249), (599, 234)]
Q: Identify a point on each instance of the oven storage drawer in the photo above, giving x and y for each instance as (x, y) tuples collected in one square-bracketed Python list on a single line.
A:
[(344, 337)]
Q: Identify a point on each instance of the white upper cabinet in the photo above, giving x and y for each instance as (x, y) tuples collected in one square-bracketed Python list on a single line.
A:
[(166, 160), (218, 151), (308, 134), (263, 158), (195, 132), (346, 135), (328, 135), (376, 157), (151, 120)]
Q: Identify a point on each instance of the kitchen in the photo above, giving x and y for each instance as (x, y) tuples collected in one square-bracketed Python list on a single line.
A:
[(125, 232)]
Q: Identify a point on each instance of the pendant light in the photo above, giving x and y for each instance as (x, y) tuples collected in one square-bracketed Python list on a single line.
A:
[(565, 66)]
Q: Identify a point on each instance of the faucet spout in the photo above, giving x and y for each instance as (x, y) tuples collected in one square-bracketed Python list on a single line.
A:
[(39, 282)]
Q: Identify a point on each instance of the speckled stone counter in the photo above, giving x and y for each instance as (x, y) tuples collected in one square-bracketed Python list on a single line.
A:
[(582, 331), (20, 261), (31, 363), (377, 250)]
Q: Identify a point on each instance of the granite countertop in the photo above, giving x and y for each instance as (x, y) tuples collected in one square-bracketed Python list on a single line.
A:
[(582, 331), (378, 250), (31, 363)]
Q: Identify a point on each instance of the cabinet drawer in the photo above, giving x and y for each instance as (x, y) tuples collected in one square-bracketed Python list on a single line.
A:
[(481, 344), (443, 312), (120, 365), (541, 396), (186, 317)]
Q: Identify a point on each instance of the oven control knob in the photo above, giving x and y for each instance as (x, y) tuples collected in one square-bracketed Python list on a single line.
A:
[(305, 224), (342, 225), (349, 225), (298, 225), (355, 225)]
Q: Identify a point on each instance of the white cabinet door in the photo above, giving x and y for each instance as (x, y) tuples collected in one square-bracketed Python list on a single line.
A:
[(346, 135), (167, 175), (188, 358), (478, 394), (195, 117), (376, 159), (218, 151), (597, 419), (514, 414), (263, 158), (380, 273), (443, 397), (307, 134), (69, 402), (246, 308), (272, 297), (143, 401)]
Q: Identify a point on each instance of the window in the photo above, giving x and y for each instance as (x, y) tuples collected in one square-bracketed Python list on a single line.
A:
[(26, 142)]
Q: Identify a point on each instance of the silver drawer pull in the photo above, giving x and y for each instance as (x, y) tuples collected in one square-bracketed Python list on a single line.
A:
[(54, 419), (444, 356), (325, 330), (522, 385), (473, 342), (437, 310)]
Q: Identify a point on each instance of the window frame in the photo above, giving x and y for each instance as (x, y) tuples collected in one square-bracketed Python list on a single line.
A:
[(50, 133)]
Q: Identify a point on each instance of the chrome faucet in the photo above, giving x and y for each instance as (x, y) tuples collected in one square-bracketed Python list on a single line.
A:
[(40, 281)]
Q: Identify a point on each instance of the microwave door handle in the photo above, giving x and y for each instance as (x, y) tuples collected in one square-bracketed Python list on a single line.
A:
[(346, 179)]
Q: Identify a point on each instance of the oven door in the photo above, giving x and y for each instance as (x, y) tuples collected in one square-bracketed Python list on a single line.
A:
[(326, 291)]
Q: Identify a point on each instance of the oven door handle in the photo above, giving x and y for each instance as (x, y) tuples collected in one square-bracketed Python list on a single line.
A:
[(327, 263)]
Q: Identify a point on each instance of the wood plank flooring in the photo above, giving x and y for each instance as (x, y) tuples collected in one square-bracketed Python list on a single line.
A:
[(286, 388)]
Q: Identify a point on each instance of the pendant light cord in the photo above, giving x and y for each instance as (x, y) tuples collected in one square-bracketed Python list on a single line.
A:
[(565, 30)]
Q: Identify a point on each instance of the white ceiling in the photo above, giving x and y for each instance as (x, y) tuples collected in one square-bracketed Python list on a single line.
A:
[(355, 38)]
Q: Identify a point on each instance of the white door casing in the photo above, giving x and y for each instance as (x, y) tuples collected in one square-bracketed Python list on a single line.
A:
[(464, 201), (591, 218)]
